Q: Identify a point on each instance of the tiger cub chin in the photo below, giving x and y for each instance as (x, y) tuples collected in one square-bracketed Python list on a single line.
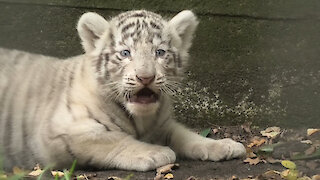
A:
[(108, 108)]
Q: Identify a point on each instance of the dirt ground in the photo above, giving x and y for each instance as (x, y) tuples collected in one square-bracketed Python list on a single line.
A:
[(288, 143)]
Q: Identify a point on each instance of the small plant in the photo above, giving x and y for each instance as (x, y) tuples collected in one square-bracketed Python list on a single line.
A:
[(291, 173)]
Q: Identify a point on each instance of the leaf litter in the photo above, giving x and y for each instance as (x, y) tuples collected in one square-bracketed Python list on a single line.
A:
[(288, 154)]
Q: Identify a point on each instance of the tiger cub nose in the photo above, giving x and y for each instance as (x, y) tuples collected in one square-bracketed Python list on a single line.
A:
[(145, 80)]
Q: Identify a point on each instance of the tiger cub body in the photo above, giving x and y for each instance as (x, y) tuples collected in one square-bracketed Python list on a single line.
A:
[(108, 108)]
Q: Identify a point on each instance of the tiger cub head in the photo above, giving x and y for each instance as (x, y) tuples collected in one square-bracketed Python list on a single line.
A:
[(138, 55)]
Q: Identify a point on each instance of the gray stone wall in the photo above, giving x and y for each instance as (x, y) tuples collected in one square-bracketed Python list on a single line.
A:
[(254, 61)]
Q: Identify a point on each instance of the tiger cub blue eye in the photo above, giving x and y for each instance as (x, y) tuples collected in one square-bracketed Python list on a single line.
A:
[(125, 53), (160, 52)]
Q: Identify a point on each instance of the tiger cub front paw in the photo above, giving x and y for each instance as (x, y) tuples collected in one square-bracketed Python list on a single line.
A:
[(153, 158), (217, 150)]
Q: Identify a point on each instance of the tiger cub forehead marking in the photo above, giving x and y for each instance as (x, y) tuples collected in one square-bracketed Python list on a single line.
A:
[(135, 26)]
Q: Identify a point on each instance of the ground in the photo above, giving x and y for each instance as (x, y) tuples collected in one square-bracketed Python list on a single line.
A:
[(272, 153), (252, 138), (267, 148)]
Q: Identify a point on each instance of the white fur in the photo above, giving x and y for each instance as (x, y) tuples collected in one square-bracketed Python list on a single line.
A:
[(69, 116)]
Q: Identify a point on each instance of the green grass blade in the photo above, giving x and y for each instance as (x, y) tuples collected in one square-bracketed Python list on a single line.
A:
[(205, 132)]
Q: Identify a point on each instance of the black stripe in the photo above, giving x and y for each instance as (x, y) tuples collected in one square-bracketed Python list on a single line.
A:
[(105, 126), (168, 138), (95, 119), (112, 41), (8, 130), (179, 61), (130, 117), (127, 27), (113, 61), (114, 122), (140, 14), (125, 37), (98, 65), (68, 93), (154, 25), (27, 155), (65, 141), (55, 95)]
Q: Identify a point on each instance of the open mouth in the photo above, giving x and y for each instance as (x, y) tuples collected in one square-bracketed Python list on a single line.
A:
[(144, 96)]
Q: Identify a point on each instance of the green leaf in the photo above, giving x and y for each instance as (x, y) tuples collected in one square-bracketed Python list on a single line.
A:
[(205, 132), (129, 176), (73, 167), (269, 148), (45, 170), (293, 174), (56, 177), (68, 174), (289, 164), (302, 156), (16, 177)]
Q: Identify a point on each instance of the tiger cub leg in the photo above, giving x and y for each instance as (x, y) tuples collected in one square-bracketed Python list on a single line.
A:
[(191, 145), (113, 149)]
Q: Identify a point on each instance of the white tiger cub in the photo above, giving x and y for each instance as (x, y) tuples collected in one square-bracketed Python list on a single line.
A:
[(108, 108)]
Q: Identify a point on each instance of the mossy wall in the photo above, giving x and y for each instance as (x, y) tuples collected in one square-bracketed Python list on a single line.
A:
[(251, 60)]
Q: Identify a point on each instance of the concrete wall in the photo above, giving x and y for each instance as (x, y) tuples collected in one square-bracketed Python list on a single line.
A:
[(251, 60)]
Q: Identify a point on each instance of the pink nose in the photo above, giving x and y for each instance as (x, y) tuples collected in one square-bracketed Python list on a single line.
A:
[(145, 80)]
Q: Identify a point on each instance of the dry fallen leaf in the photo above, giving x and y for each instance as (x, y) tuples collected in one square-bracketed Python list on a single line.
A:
[(316, 177), (35, 172), (3, 176), (270, 175), (312, 165), (114, 178), (256, 142), (246, 127), (272, 160), (167, 168), (271, 132), (168, 176), (251, 154), (191, 178), (16, 170), (57, 173), (312, 131), (306, 141), (310, 150), (252, 161)]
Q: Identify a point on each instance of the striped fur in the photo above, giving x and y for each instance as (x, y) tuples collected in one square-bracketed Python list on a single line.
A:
[(88, 107)]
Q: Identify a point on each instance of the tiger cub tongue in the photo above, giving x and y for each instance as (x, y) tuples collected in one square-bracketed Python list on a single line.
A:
[(143, 99), (144, 96)]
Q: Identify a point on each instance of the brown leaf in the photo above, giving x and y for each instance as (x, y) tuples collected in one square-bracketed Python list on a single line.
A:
[(114, 178), (251, 154), (215, 131), (167, 168), (272, 160), (191, 178), (316, 177), (271, 132), (17, 170), (168, 176), (310, 150), (312, 165), (35, 172), (57, 173), (252, 161), (270, 175), (312, 131), (306, 141), (256, 142), (246, 127)]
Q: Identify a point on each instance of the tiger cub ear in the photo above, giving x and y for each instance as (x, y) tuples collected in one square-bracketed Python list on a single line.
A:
[(91, 28), (184, 23)]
